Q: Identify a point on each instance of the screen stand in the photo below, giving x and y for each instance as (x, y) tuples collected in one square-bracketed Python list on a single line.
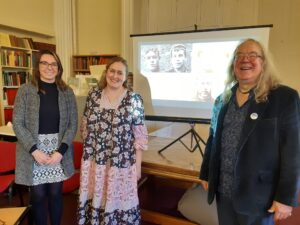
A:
[(194, 136)]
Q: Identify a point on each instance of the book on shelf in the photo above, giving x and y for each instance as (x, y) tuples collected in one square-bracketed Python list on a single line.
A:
[(14, 78), (15, 58), (10, 94), (9, 40), (4, 40), (17, 41), (44, 46), (27, 43), (8, 115)]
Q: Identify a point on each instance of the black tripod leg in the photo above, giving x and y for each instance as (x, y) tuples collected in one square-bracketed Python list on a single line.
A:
[(194, 135), (177, 139)]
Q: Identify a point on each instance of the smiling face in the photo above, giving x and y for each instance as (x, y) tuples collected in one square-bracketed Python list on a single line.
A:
[(248, 63), (48, 68), (116, 75)]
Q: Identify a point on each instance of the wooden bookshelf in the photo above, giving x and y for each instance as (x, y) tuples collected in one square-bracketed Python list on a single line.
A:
[(82, 63), (18, 56), (16, 67)]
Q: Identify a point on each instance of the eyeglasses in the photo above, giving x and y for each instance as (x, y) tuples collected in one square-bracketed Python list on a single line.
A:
[(51, 65), (251, 56)]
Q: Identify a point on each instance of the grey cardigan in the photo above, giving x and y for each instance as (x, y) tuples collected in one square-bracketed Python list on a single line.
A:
[(26, 127)]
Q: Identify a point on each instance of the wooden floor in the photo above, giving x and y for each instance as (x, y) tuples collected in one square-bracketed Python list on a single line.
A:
[(156, 196), (69, 209)]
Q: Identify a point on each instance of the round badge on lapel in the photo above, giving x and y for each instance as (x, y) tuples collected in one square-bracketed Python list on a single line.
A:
[(253, 116)]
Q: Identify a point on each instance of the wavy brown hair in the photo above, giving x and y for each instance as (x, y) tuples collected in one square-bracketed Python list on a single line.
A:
[(268, 78), (58, 79), (103, 83)]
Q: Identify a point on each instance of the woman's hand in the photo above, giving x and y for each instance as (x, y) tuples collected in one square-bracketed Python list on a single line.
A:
[(138, 171), (41, 157), (280, 210), (83, 128), (55, 158), (204, 184)]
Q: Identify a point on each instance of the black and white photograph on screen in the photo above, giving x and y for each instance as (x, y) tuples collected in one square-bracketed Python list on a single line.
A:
[(206, 62), (179, 59), (151, 59), (204, 86), (189, 90)]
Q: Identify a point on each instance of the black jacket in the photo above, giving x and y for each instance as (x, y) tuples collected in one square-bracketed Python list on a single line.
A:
[(268, 160)]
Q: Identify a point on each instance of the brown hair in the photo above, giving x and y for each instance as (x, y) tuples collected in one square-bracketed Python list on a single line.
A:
[(103, 83), (268, 79), (58, 79)]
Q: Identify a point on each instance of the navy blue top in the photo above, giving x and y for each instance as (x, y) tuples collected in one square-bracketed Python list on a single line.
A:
[(232, 129), (49, 113)]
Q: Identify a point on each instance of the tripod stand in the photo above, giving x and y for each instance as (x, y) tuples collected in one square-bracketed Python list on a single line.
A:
[(194, 135)]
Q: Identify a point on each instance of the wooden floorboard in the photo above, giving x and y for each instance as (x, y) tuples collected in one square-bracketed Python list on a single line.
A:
[(163, 219)]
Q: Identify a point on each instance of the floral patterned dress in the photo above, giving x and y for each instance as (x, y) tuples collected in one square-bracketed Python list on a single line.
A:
[(112, 135)]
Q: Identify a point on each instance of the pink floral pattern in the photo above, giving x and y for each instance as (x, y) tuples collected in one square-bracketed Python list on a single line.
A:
[(108, 185)]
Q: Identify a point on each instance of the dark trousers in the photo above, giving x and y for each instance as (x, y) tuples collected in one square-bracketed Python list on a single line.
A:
[(228, 216)]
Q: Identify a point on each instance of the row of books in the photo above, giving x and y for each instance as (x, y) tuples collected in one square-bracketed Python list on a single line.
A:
[(82, 73), (14, 78), (15, 58), (86, 62), (10, 40)]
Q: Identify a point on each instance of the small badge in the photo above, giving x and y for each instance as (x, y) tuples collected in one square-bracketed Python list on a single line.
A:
[(254, 116)]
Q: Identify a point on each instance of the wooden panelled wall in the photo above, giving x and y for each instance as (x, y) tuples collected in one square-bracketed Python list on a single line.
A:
[(178, 15), (151, 16)]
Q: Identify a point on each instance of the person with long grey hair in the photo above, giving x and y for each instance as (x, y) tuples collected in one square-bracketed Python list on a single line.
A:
[(252, 157)]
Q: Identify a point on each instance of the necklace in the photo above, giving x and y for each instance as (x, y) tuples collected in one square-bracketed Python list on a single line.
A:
[(113, 101), (243, 92)]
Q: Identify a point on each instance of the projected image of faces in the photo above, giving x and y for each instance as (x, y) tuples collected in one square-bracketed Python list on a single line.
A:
[(178, 59), (151, 58), (204, 89), (166, 58), (187, 73)]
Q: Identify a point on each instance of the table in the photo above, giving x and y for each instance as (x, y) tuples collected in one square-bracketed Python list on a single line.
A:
[(13, 215), (7, 133), (175, 163)]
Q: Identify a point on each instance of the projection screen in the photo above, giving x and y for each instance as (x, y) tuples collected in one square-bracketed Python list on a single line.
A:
[(180, 74)]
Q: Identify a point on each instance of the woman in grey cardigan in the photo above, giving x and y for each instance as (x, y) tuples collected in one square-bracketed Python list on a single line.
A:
[(45, 123)]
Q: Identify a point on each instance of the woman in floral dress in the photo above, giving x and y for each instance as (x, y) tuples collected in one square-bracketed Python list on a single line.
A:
[(114, 135)]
